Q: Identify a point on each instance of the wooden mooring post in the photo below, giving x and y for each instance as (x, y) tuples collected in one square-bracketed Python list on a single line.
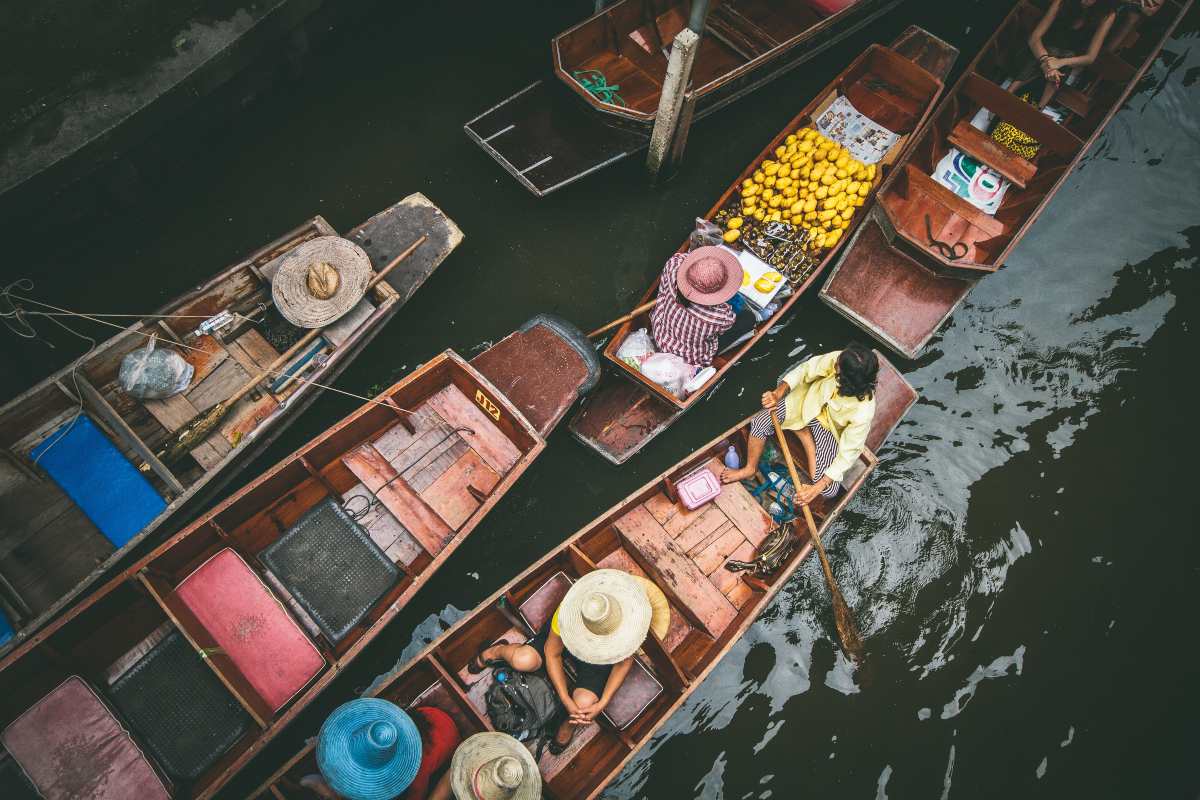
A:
[(676, 104)]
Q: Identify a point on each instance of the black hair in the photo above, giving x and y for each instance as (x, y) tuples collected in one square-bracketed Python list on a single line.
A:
[(857, 370)]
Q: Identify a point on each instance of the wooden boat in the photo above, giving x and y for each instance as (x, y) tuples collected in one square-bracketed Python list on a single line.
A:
[(210, 645), (628, 410), (61, 529), (556, 130), (650, 534), (898, 285)]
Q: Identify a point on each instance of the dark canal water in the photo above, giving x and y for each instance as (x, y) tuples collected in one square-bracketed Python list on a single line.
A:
[(1024, 562)]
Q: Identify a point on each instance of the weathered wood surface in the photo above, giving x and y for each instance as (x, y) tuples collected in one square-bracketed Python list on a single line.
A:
[(398, 497)]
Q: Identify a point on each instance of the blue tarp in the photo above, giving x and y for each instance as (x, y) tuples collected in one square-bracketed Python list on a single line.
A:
[(92, 471)]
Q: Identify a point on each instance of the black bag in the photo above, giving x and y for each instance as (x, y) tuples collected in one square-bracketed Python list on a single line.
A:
[(772, 552), (524, 705)]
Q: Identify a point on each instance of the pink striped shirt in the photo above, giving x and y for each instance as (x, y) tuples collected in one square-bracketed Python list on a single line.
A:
[(684, 328)]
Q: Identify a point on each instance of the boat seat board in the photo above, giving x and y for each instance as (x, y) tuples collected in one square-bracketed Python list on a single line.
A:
[(179, 708), (332, 567), (738, 32), (451, 496), (680, 627), (438, 696), (983, 148), (496, 449), (236, 608), (99, 479), (675, 572), (383, 528), (70, 745)]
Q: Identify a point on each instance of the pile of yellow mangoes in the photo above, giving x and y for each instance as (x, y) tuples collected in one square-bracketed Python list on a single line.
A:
[(811, 183)]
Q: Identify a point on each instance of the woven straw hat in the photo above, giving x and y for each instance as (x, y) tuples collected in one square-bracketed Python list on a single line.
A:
[(604, 617), (709, 275), (494, 766), (660, 609), (320, 280), (368, 749)]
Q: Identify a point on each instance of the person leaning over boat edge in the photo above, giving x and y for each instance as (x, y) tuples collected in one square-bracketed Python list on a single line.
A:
[(692, 317), (829, 400)]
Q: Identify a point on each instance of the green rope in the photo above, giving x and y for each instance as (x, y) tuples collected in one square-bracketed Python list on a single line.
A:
[(594, 81)]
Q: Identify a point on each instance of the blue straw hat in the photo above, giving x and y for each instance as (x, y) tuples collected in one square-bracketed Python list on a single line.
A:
[(369, 749)]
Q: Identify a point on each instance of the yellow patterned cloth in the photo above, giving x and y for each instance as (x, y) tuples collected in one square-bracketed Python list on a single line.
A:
[(1016, 139)]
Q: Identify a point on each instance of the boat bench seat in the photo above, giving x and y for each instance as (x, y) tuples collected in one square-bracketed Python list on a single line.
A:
[(739, 33), (70, 745), (978, 145), (231, 602), (640, 687)]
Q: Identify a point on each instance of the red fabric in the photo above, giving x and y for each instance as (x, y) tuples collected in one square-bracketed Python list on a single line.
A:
[(252, 627), (688, 330), (70, 745), (442, 740), (829, 7)]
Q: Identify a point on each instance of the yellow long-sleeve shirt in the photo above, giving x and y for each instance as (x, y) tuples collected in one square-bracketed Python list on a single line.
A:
[(814, 395)]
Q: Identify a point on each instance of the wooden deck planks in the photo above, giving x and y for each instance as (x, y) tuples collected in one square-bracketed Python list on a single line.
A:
[(744, 512), (370, 467), (384, 529), (712, 557), (176, 411), (489, 441), (678, 575), (449, 496), (700, 531), (226, 379)]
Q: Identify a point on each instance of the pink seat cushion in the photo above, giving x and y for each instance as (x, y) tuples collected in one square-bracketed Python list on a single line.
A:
[(542, 604), (252, 627), (638, 690), (70, 745), (828, 8)]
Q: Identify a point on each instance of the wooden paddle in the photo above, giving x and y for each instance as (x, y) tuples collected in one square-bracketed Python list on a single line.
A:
[(622, 320), (203, 424), (847, 631)]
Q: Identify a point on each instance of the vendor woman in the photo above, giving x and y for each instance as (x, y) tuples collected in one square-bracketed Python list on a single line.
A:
[(829, 400), (692, 317)]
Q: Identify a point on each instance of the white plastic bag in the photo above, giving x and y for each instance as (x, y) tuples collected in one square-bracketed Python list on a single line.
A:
[(636, 345), (669, 371), (150, 374)]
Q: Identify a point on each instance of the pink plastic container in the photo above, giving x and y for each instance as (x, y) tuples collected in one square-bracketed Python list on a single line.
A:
[(697, 488)]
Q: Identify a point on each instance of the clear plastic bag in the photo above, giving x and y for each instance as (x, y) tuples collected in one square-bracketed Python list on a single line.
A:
[(705, 233), (152, 374), (669, 371), (636, 345)]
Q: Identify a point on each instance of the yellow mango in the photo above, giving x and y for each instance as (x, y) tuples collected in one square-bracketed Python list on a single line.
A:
[(791, 139), (758, 176), (852, 187), (770, 181), (768, 194), (810, 216), (797, 207), (790, 191), (827, 178), (794, 174), (779, 151), (774, 216), (822, 192), (809, 133), (864, 189), (810, 204), (783, 181), (813, 185), (838, 186), (840, 202), (842, 160), (847, 213), (871, 172), (827, 214), (760, 214), (770, 169), (775, 201), (857, 200), (828, 203), (832, 237), (733, 223), (731, 235), (841, 173), (821, 154)]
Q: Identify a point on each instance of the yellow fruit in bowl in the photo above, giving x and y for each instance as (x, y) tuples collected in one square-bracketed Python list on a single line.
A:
[(773, 276), (758, 176)]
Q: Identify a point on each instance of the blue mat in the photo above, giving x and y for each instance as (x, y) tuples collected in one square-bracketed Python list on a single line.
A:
[(6, 631), (92, 471)]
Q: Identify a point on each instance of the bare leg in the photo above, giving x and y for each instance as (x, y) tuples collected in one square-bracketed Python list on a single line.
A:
[(317, 785), (1047, 94), (753, 453), (521, 657), (810, 450), (441, 790)]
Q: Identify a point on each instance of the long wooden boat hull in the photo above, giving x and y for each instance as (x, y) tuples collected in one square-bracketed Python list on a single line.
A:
[(888, 280), (233, 626), (554, 132), (51, 550), (627, 410), (648, 533)]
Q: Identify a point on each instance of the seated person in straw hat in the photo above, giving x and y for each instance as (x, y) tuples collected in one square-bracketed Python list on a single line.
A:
[(490, 766), (600, 624), (427, 738), (829, 400), (692, 317)]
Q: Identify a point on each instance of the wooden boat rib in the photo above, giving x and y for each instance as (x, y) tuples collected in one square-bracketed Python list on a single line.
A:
[(649, 534), (892, 280), (628, 409), (229, 629), (55, 541), (546, 143)]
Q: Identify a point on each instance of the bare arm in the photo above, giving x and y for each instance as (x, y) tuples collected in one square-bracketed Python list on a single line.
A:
[(1039, 30), (554, 670), (615, 679)]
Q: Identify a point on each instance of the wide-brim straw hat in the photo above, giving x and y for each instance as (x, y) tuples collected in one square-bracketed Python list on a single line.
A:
[(494, 766), (604, 617), (290, 288), (660, 607), (709, 275), (369, 749)]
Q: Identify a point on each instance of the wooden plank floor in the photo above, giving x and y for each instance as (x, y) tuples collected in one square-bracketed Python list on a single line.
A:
[(691, 547)]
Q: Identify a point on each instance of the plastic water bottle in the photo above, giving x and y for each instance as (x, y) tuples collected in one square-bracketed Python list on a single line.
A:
[(732, 459)]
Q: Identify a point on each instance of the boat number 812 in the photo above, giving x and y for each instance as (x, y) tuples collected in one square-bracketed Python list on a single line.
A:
[(487, 405)]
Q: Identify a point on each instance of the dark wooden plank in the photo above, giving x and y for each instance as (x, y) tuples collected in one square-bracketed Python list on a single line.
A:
[(176, 411), (977, 144), (405, 505), (205, 354), (485, 438), (220, 385), (677, 575), (257, 348), (1022, 115)]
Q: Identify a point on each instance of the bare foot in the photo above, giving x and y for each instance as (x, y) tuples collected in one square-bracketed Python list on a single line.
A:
[(317, 785), (734, 475)]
